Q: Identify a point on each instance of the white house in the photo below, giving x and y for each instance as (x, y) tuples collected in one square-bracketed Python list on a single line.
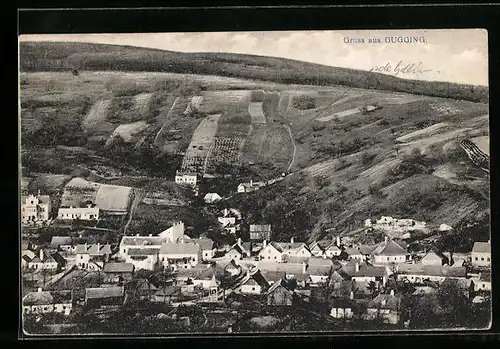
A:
[(143, 258), (92, 256), (249, 187), (294, 249), (483, 283), (187, 178), (210, 198), (254, 283), (228, 222), (481, 254), (43, 261), (417, 273), (47, 302), (207, 248), (180, 255), (35, 208), (88, 213), (260, 232), (271, 252), (174, 233), (435, 258), (389, 252)]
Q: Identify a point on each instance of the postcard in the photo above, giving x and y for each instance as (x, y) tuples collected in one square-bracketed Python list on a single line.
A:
[(232, 183)]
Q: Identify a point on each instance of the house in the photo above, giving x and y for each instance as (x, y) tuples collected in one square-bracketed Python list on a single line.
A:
[(271, 251), (143, 257), (260, 232), (187, 275), (88, 213), (272, 272), (464, 285), (249, 187), (168, 294), (45, 261), (92, 256), (228, 222), (207, 248), (186, 178), (99, 296), (417, 273), (233, 268), (354, 253), (210, 277), (483, 283), (481, 254), (386, 307), (294, 249), (47, 302), (343, 308), (35, 208), (435, 258), (116, 272), (334, 249), (319, 270), (364, 272), (397, 225), (254, 283), (210, 198), (128, 242), (173, 234), (180, 255), (389, 252), (317, 248), (236, 252), (62, 243), (281, 293)]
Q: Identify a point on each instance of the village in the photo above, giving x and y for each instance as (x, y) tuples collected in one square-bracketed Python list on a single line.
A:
[(339, 282)]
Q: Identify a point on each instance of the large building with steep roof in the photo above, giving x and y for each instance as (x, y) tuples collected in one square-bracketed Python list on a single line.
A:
[(481, 254), (388, 252)]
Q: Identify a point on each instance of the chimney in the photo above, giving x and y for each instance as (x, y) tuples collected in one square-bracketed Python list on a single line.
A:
[(225, 212), (324, 255), (392, 292), (239, 241), (338, 241), (264, 244), (41, 254), (38, 192), (39, 289), (357, 267), (386, 239), (291, 240), (150, 235), (304, 267), (351, 295), (384, 280), (136, 234), (251, 182), (98, 247)]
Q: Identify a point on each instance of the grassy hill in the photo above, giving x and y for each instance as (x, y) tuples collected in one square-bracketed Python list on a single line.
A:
[(62, 56), (348, 162)]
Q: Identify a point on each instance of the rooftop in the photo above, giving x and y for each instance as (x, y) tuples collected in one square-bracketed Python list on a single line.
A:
[(390, 248), (118, 267), (432, 270), (385, 301), (482, 247), (104, 292), (143, 251), (46, 297), (186, 248), (142, 240)]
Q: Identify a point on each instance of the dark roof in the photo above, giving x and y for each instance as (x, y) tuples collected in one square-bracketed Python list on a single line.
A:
[(168, 291), (365, 269), (104, 292), (93, 249), (432, 270), (113, 267), (260, 227), (255, 278), (205, 243), (435, 255), (283, 283), (390, 248), (143, 251), (61, 240), (209, 273)]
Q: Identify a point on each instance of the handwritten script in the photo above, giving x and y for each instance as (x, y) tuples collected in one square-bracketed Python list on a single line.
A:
[(401, 68)]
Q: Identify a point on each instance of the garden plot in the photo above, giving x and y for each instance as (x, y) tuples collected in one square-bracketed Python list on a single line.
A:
[(113, 198), (224, 151), (141, 103), (256, 113), (446, 109), (77, 191), (203, 136), (340, 115), (425, 143), (216, 101), (423, 132), (483, 143), (97, 113), (128, 131)]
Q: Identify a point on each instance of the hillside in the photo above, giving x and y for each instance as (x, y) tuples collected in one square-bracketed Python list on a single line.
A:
[(64, 56), (353, 153)]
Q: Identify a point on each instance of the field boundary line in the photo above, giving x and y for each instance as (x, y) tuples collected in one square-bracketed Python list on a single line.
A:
[(167, 120)]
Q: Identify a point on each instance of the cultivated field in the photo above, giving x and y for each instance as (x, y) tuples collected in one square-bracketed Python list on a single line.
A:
[(423, 132), (196, 154), (217, 101), (340, 115), (141, 103), (224, 151), (97, 113), (113, 198)]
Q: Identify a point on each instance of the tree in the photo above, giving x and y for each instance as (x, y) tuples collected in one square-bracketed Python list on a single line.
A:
[(372, 288)]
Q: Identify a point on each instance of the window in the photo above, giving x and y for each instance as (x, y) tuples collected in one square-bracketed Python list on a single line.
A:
[(476, 258), (483, 285), (253, 288), (387, 258), (274, 257), (81, 257), (268, 257), (488, 259), (124, 251), (45, 308)]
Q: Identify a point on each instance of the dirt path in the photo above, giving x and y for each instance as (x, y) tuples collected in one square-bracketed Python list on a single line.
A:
[(166, 121), (139, 196), (292, 161)]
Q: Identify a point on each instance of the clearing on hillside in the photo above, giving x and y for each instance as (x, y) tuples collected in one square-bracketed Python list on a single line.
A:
[(128, 131), (340, 115), (97, 113), (218, 101), (423, 132), (256, 113), (196, 153)]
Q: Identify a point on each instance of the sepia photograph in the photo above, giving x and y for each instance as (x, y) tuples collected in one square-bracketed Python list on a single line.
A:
[(254, 182)]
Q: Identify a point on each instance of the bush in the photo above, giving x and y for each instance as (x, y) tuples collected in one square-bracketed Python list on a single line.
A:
[(304, 102), (367, 158)]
